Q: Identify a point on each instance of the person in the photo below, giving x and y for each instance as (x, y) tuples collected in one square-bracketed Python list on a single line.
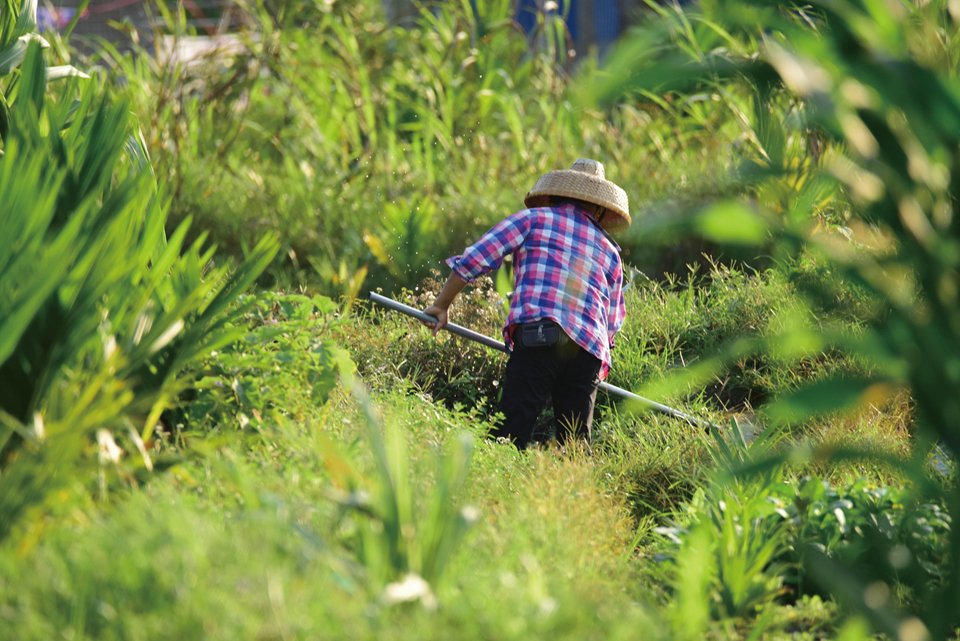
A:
[(567, 303)]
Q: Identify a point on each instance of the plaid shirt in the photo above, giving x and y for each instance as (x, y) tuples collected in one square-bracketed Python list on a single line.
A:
[(565, 269)]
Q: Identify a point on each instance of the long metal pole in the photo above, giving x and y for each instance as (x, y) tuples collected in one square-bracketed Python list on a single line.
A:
[(499, 345)]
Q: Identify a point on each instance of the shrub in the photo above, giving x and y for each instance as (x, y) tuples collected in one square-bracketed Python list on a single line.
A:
[(881, 530), (451, 369), (284, 350), (102, 314)]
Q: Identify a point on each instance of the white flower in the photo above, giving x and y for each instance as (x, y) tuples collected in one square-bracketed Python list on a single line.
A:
[(110, 452), (38, 430), (411, 588)]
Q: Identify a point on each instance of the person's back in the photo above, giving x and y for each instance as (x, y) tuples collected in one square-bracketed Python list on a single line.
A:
[(568, 270)]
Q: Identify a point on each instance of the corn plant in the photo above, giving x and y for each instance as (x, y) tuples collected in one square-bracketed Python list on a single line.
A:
[(103, 314), (886, 99)]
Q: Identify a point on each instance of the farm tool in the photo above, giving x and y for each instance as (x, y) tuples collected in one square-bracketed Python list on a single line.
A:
[(469, 334)]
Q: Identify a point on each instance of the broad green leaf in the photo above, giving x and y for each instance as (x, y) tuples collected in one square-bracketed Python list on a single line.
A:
[(852, 588), (27, 18), (831, 395), (25, 287), (8, 19), (855, 629), (733, 223)]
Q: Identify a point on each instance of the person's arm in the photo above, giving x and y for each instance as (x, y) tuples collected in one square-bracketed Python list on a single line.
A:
[(480, 258), (441, 304)]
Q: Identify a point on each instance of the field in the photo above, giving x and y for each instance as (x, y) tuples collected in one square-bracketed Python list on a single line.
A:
[(208, 432)]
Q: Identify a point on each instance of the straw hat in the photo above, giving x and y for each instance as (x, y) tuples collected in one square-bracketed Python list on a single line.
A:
[(584, 181)]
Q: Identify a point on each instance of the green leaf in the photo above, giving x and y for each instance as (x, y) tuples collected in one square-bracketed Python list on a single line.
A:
[(30, 196), (733, 223), (853, 589), (830, 395), (13, 55), (27, 18)]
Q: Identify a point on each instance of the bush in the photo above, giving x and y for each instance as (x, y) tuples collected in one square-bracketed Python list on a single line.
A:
[(103, 315), (882, 531), (260, 380)]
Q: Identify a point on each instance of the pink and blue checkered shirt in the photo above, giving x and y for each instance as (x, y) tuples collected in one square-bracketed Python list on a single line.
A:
[(565, 269)]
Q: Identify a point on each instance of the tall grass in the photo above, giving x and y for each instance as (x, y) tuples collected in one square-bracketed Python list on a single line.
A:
[(248, 543), (403, 538), (374, 151)]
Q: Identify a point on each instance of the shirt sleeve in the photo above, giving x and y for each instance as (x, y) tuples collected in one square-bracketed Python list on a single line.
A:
[(618, 309), (488, 252)]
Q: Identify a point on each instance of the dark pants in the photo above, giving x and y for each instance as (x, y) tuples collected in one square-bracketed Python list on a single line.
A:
[(565, 372)]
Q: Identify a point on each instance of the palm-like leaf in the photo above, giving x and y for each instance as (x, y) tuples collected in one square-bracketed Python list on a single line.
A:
[(101, 315)]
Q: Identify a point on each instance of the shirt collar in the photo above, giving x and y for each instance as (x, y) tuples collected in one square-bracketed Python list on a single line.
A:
[(570, 208)]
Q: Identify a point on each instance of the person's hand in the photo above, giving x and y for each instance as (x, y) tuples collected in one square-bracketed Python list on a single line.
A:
[(442, 302), (440, 313)]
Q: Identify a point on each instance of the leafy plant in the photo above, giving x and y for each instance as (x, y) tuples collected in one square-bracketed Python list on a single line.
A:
[(730, 561), (286, 347), (102, 313), (403, 243), (403, 534), (449, 368), (18, 28), (890, 118), (883, 531)]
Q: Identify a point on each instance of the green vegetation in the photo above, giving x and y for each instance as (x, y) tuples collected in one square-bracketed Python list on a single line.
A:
[(104, 315), (219, 441), (887, 115)]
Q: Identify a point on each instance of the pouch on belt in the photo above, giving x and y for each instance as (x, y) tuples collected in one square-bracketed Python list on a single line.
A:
[(542, 333)]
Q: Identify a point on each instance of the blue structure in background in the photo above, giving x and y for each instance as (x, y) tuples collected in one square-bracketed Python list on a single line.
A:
[(604, 15)]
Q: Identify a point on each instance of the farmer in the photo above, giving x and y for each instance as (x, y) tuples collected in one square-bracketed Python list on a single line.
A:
[(567, 302)]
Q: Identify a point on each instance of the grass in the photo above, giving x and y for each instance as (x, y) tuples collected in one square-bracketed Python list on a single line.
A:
[(245, 539), (162, 562), (258, 529), (669, 325)]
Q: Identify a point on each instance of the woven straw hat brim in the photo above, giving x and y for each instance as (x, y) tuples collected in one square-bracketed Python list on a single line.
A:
[(569, 183)]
